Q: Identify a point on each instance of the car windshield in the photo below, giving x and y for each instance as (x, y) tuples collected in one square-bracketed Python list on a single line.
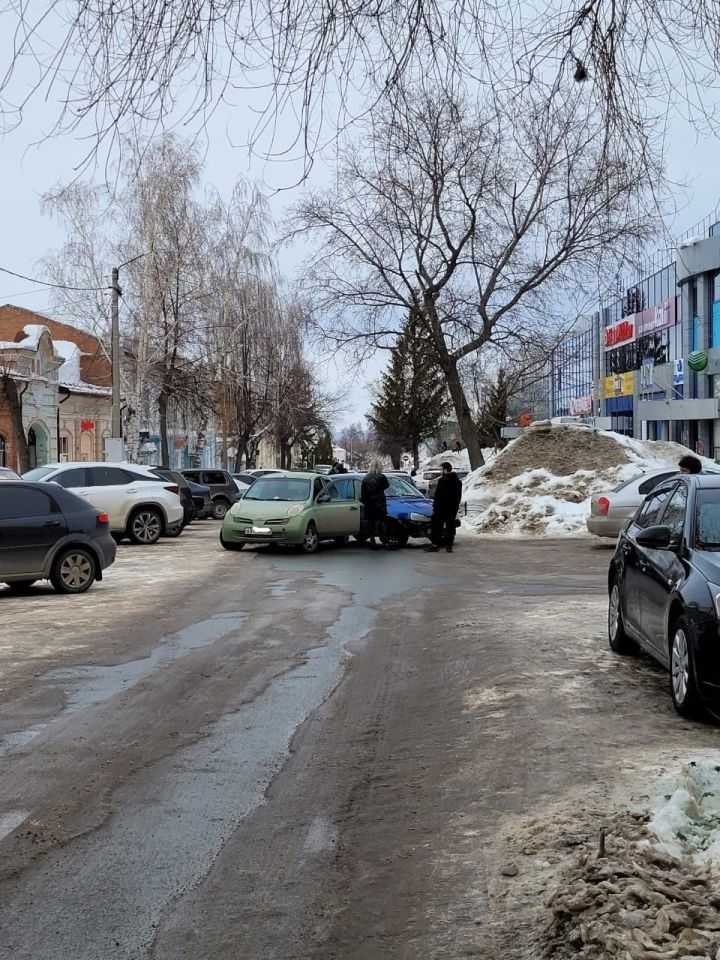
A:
[(279, 488), (39, 473), (626, 483), (707, 527), (400, 488)]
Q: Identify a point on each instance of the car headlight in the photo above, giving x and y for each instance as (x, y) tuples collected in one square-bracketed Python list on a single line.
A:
[(419, 517), (294, 511)]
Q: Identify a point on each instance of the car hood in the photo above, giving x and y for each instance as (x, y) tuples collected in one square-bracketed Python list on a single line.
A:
[(401, 507), (708, 563), (263, 509)]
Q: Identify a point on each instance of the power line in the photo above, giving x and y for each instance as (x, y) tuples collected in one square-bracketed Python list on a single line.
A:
[(46, 283)]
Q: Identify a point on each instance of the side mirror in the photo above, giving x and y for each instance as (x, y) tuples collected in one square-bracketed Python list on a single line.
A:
[(656, 538), (322, 498)]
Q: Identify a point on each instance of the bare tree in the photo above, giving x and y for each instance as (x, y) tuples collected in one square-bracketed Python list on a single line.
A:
[(11, 398), (474, 217), (114, 67)]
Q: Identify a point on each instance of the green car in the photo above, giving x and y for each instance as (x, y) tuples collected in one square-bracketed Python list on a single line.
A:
[(292, 509)]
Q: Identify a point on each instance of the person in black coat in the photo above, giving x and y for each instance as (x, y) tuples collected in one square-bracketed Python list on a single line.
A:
[(446, 504), (372, 497)]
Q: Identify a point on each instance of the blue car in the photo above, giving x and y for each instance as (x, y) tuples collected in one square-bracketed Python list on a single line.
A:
[(409, 512)]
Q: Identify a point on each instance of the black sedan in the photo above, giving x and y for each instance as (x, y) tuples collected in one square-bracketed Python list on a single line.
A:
[(664, 585), (47, 533)]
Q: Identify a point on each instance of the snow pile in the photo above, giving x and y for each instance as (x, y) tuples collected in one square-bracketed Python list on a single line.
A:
[(687, 819), (541, 483), (654, 892)]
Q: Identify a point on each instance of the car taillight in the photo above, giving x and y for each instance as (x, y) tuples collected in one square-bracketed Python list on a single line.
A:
[(103, 520), (603, 505), (173, 488)]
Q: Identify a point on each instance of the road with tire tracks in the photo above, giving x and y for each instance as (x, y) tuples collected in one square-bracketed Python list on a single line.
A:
[(273, 756)]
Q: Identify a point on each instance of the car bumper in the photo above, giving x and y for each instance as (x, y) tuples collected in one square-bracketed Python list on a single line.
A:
[(234, 532), (107, 550), (606, 526), (174, 514)]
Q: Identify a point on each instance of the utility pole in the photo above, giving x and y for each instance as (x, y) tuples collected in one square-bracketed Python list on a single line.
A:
[(115, 338)]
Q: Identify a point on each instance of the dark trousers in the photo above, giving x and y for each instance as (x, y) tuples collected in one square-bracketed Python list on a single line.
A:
[(442, 530), (376, 523)]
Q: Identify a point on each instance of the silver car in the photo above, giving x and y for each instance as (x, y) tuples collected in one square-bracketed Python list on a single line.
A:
[(610, 510)]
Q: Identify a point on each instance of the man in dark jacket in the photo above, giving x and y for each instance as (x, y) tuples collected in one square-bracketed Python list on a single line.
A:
[(446, 504), (372, 497)]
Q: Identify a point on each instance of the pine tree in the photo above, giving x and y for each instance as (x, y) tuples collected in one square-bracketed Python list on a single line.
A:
[(323, 452), (412, 400), (493, 414)]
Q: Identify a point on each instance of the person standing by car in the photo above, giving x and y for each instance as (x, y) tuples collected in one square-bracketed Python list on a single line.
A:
[(372, 497), (446, 504), (689, 464)]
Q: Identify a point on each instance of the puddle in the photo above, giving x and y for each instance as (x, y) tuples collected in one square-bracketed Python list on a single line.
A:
[(85, 686)]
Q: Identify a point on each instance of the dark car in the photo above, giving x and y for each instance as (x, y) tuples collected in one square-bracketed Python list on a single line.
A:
[(202, 501), (50, 534), (186, 497), (223, 489), (664, 587)]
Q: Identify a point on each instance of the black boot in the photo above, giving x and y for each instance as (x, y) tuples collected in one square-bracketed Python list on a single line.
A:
[(448, 549), (432, 549)]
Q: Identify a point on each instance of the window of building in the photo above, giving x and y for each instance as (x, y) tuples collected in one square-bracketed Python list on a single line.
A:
[(716, 287), (695, 333), (64, 446), (3, 451)]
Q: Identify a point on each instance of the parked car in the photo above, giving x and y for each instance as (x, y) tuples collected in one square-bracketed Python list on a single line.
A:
[(263, 472), (611, 510), (223, 489), (422, 480), (201, 499), (186, 497), (47, 533), (664, 587), (432, 486), (139, 507), (303, 509), (323, 468), (7, 474)]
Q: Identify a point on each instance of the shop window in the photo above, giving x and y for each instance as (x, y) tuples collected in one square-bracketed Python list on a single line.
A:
[(3, 451), (695, 337), (715, 324)]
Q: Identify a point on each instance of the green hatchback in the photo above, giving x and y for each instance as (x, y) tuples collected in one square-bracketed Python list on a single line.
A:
[(293, 509)]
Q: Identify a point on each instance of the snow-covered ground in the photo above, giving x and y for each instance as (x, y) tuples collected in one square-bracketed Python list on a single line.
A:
[(518, 495), (686, 817)]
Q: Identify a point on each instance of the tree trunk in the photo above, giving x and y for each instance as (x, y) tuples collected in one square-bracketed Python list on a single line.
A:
[(395, 458), (162, 413), (416, 454), (14, 399), (468, 430)]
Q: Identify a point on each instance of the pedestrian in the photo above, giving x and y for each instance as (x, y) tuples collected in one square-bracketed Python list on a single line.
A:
[(446, 504), (338, 467), (689, 464), (372, 497)]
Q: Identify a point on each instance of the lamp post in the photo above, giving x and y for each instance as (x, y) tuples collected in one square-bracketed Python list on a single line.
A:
[(115, 346)]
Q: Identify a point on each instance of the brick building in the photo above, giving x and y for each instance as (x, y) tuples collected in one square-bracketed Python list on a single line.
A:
[(64, 379)]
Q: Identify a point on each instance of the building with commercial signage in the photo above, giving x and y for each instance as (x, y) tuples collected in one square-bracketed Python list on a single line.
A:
[(654, 351)]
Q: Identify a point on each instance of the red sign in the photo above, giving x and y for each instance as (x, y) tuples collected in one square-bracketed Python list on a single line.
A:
[(620, 333), (87, 425)]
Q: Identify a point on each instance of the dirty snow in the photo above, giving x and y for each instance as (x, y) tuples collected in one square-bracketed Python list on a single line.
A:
[(541, 483), (686, 818)]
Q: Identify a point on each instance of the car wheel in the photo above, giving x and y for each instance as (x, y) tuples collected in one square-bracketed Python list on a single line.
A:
[(683, 687), (219, 509), (617, 638), (20, 586), (230, 546), (145, 526), (311, 541), (73, 571), (175, 530), (397, 536)]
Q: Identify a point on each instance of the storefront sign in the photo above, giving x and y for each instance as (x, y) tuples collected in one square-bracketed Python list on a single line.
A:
[(619, 384), (580, 406), (655, 318), (620, 333), (679, 373), (87, 424), (698, 360), (647, 374)]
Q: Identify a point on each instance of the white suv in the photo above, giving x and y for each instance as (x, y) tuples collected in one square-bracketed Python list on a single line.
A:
[(140, 505)]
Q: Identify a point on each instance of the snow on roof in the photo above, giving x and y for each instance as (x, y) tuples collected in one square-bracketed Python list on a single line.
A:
[(70, 354)]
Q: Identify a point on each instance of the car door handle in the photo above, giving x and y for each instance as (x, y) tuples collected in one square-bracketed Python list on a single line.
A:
[(353, 508), (53, 523)]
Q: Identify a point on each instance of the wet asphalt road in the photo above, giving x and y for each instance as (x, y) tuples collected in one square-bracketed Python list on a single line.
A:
[(263, 755)]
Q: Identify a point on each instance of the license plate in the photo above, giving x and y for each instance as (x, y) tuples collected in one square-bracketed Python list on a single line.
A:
[(258, 531)]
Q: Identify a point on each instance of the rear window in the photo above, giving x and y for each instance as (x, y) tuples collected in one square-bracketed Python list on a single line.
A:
[(39, 473)]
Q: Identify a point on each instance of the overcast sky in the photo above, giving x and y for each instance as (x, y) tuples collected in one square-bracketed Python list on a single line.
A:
[(29, 169)]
